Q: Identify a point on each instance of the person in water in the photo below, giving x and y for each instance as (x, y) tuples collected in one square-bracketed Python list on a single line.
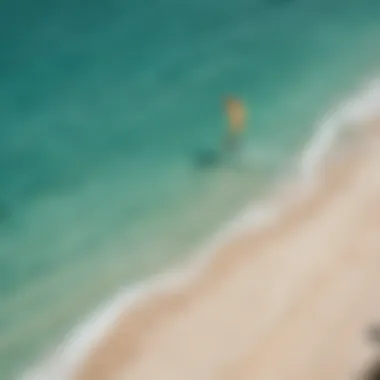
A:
[(236, 115)]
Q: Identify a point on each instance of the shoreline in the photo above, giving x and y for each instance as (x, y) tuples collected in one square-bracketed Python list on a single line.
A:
[(142, 341), (254, 217), (136, 331)]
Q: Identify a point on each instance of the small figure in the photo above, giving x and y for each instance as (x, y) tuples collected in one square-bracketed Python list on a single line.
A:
[(236, 122)]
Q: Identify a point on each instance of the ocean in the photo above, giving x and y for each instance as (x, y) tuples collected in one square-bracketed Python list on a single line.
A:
[(106, 110)]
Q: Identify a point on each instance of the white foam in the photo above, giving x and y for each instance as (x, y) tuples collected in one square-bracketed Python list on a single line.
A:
[(61, 366), (361, 108)]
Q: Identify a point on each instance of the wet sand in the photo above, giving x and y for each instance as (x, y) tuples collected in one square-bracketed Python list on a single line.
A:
[(290, 301)]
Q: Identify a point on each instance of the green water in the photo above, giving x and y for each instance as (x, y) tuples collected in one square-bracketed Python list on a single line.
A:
[(104, 109)]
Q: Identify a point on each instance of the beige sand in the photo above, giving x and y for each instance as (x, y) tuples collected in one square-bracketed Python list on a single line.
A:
[(290, 302)]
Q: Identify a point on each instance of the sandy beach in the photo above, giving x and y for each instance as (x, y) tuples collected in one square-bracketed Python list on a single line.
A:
[(293, 300)]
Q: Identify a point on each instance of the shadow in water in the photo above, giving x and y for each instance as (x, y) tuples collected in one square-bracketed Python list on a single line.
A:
[(207, 158)]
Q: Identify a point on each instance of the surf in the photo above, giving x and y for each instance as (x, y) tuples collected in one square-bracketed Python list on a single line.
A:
[(361, 107)]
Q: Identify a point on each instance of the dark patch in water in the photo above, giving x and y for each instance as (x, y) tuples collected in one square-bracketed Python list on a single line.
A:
[(207, 158)]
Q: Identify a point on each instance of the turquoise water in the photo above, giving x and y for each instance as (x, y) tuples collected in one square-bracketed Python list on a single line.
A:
[(104, 109)]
